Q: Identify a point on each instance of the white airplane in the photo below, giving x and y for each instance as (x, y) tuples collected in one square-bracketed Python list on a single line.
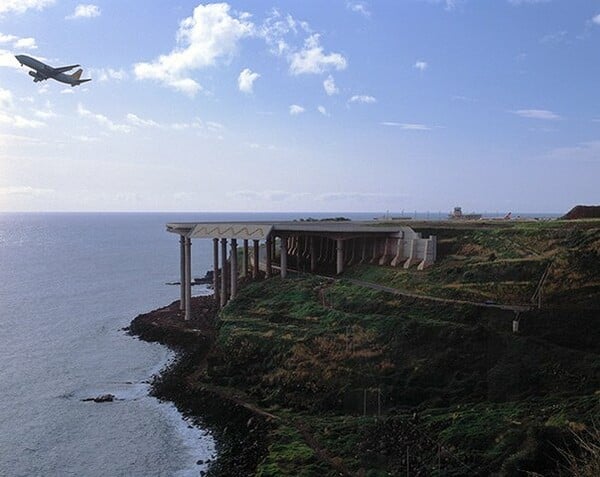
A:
[(43, 71)]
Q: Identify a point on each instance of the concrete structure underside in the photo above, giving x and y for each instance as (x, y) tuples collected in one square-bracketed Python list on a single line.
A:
[(306, 246)]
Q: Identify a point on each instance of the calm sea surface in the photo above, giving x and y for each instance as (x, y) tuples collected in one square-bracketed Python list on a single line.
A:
[(68, 284)]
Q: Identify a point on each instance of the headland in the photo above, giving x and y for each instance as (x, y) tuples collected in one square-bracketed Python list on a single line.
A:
[(323, 375)]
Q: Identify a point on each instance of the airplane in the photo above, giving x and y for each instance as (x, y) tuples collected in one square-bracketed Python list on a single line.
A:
[(43, 71)]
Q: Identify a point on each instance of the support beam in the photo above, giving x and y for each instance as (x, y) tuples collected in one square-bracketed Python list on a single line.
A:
[(223, 272), (340, 256), (188, 278), (216, 270), (313, 255), (182, 272), (284, 256), (255, 258), (234, 268), (246, 259), (269, 250)]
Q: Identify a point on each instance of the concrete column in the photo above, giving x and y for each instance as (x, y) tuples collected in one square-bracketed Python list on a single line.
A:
[(246, 259), (313, 255), (234, 268), (412, 257), (284, 256), (182, 272), (188, 279), (363, 256), (223, 272), (255, 250), (216, 269), (340, 256), (269, 250), (375, 256)]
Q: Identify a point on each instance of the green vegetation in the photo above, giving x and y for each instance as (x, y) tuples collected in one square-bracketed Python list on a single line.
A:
[(328, 378), (504, 262), (457, 392)]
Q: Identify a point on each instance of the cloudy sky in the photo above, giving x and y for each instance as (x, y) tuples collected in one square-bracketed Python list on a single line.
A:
[(302, 105)]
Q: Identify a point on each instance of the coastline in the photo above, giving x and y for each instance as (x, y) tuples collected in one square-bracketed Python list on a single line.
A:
[(240, 434)]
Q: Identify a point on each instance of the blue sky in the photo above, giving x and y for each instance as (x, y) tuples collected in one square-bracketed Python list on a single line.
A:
[(342, 105)]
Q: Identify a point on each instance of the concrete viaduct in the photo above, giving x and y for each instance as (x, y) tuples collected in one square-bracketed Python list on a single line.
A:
[(309, 245)]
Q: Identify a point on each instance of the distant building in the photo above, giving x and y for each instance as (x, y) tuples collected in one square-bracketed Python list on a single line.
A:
[(458, 215)]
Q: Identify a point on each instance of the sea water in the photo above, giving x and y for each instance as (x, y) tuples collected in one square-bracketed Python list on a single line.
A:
[(69, 283)]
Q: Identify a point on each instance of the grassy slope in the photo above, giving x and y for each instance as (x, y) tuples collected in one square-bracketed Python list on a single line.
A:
[(504, 262), (458, 390)]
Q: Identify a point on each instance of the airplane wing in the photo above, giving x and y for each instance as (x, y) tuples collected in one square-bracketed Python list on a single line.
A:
[(62, 69)]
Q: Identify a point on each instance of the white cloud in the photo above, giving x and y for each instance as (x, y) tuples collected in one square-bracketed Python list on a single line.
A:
[(67, 91), (137, 121), (102, 120), (322, 110), (330, 87), (277, 27), (6, 99), (45, 114), (362, 98), (536, 114), (407, 126), (557, 37), (295, 109), (421, 65), (19, 121), (17, 43), (25, 190), (8, 117), (7, 38), (311, 59), (25, 43), (21, 6), (209, 34), (85, 11), (359, 7), (106, 74), (8, 60), (246, 80), (596, 19)]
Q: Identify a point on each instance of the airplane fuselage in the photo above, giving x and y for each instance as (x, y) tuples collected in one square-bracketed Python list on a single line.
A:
[(44, 71)]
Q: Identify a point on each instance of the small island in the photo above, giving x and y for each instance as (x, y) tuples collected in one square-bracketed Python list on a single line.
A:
[(486, 363)]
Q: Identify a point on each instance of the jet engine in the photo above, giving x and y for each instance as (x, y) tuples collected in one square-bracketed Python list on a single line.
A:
[(36, 76)]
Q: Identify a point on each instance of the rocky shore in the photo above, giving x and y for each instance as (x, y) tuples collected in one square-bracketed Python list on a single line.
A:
[(240, 433)]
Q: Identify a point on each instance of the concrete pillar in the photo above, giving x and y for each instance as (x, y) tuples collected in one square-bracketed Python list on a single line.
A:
[(255, 251), (340, 256), (223, 272), (234, 268), (284, 256), (375, 257), (412, 257), (313, 255), (246, 259), (269, 250), (188, 279), (216, 270), (182, 272), (399, 257), (363, 256)]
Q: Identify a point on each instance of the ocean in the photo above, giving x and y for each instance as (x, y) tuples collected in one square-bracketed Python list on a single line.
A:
[(69, 283)]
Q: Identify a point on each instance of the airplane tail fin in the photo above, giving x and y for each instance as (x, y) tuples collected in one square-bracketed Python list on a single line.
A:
[(77, 74)]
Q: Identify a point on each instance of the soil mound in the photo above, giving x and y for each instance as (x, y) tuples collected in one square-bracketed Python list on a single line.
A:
[(583, 212)]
